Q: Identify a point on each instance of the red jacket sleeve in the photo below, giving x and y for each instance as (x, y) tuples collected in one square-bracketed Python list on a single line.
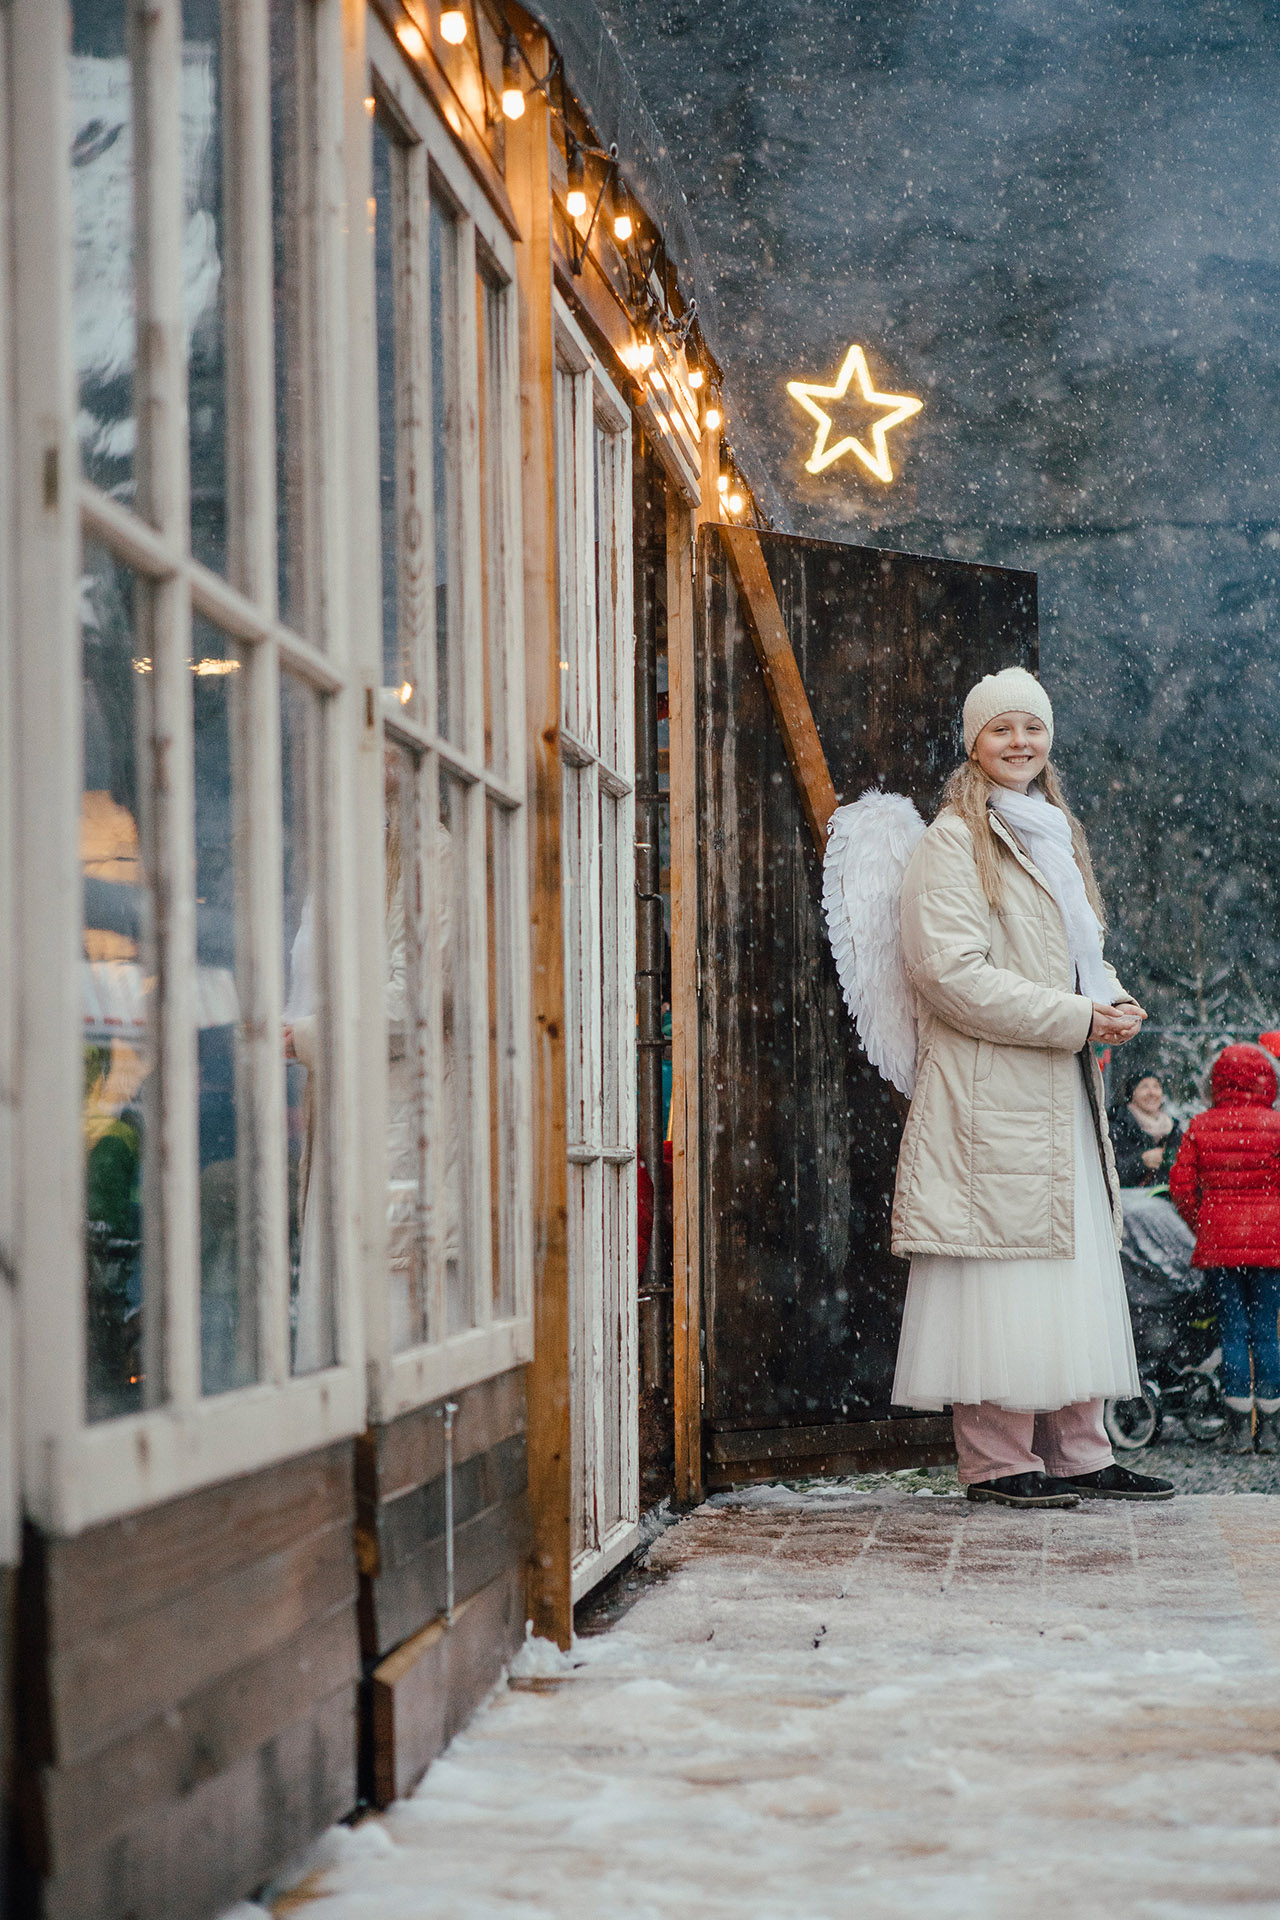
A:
[(1184, 1180)]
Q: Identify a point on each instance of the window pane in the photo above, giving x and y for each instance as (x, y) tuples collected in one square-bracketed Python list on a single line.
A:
[(384, 293), (104, 286), (123, 1344), (310, 1235), (453, 1135), (406, 1045), (290, 232), (491, 307), (613, 957), (228, 1295), (443, 266), (503, 1110), (204, 277)]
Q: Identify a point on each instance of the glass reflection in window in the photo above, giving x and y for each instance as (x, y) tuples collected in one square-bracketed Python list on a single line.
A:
[(228, 1294), (406, 1043), (204, 277), (104, 285), (310, 1236), (457, 1107), (118, 1000), (443, 267)]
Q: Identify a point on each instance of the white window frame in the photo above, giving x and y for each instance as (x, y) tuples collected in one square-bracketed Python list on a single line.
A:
[(414, 1376), (76, 1474), (597, 750), (9, 1112)]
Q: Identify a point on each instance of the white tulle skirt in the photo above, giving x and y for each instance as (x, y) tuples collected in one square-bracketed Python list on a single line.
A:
[(1026, 1334)]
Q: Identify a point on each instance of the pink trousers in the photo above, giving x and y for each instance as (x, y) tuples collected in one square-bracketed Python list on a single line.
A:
[(992, 1442)]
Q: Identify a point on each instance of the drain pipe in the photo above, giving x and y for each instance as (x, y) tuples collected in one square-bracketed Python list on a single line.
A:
[(450, 1408)]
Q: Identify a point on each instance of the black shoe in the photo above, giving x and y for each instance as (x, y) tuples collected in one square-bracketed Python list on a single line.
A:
[(1025, 1490), (1267, 1438), (1117, 1483), (1237, 1435)]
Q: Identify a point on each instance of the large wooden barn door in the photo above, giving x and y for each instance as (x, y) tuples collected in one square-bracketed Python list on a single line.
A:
[(801, 1298)]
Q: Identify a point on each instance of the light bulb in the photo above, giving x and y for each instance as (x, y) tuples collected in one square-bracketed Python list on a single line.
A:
[(453, 26), (577, 200), (695, 377), (370, 104), (411, 40), (713, 418), (644, 353), (512, 91), (723, 483), (406, 692), (734, 503), (623, 227)]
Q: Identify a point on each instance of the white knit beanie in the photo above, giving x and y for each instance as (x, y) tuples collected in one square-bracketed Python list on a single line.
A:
[(1013, 690)]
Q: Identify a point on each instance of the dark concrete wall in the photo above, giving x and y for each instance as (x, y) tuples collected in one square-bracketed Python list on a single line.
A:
[(1059, 224)]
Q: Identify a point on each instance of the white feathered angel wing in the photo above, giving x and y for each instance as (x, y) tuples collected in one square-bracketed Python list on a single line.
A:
[(869, 844)]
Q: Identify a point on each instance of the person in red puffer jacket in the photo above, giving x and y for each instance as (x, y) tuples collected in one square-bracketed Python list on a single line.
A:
[(1226, 1185)]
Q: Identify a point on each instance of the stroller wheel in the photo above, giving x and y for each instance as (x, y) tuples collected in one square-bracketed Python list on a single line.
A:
[(1203, 1412), (1131, 1424)]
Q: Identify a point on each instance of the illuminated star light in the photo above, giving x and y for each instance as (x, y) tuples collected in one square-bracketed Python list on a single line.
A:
[(900, 407)]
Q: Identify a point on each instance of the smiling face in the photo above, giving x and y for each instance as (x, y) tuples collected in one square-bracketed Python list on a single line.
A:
[(1148, 1095), (1012, 749)]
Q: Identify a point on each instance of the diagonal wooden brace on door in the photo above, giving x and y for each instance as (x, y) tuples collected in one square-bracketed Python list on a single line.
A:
[(782, 678)]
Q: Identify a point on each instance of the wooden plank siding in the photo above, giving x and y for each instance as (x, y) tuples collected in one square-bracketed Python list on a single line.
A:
[(189, 1692), (430, 1676)]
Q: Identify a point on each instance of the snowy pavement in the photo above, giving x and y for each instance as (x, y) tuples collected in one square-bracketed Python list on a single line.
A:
[(886, 1704)]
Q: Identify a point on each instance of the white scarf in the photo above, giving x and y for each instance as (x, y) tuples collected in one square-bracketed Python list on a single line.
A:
[(1044, 832)]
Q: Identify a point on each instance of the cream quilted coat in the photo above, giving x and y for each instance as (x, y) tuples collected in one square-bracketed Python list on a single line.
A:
[(987, 1167)]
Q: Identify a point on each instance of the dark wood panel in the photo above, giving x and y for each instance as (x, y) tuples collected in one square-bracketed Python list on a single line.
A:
[(106, 1575), (429, 1688), (409, 1451), (799, 1136), (402, 1600), (89, 1804), (407, 1524), (795, 1444), (196, 1855), (99, 1687)]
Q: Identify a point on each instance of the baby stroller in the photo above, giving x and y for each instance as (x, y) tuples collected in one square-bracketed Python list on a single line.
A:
[(1174, 1327)]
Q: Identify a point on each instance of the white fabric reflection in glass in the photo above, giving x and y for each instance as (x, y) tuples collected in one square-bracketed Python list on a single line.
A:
[(454, 1221), (204, 277), (305, 1048), (503, 1057), (123, 1347), (443, 269), (228, 1291), (407, 1042), (104, 277)]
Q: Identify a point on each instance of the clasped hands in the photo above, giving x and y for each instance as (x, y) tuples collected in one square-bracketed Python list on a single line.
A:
[(1112, 1026)]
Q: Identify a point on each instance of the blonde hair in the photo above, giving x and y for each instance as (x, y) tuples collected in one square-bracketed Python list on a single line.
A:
[(967, 793)]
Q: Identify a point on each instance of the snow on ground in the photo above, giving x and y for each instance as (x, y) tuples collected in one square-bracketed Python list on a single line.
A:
[(834, 1702)]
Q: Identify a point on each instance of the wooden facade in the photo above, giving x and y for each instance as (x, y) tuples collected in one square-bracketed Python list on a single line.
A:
[(343, 458)]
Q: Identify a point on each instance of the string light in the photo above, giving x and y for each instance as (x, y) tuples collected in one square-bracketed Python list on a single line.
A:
[(734, 503), (512, 91), (406, 692), (696, 377), (713, 418), (577, 200), (370, 104), (453, 26), (623, 225), (723, 483), (411, 40), (644, 353)]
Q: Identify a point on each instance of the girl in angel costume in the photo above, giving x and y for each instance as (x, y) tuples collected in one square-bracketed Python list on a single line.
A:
[(970, 954)]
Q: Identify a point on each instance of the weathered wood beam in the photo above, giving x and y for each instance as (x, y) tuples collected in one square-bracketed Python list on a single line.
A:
[(782, 678)]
